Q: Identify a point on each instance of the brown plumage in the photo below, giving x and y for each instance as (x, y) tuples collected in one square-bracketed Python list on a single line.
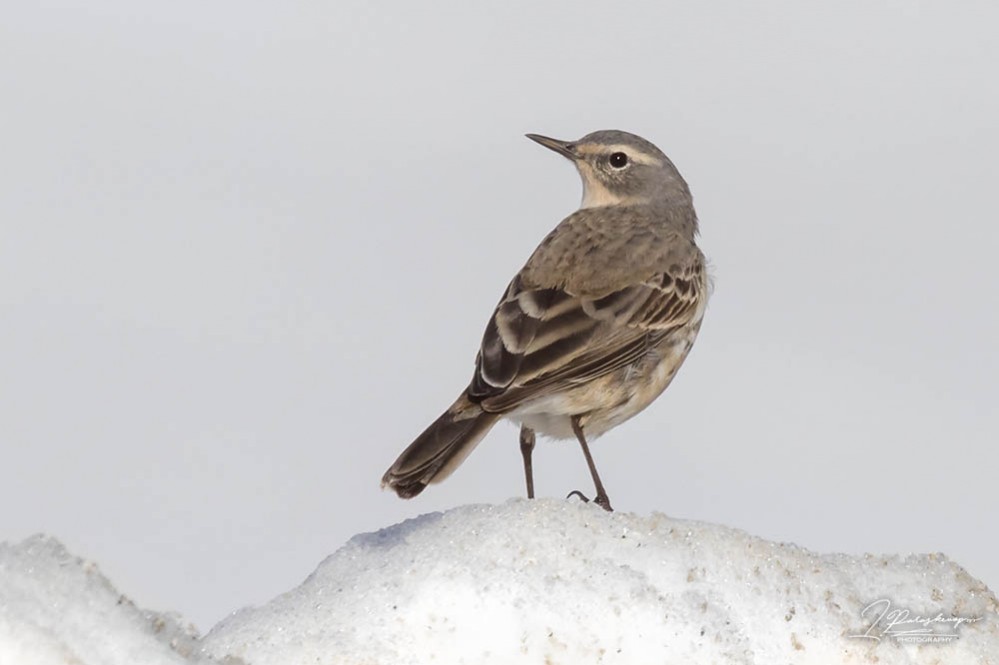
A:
[(595, 325)]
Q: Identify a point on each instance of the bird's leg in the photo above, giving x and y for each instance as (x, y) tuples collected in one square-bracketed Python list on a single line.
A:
[(601, 498), (526, 448)]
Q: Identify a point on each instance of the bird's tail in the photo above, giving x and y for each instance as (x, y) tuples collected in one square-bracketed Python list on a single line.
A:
[(440, 449)]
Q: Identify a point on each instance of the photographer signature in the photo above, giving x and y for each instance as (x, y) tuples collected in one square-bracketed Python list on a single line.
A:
[(903, 626)]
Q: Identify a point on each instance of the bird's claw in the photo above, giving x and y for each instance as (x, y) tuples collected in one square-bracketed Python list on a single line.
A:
[(601, 500)]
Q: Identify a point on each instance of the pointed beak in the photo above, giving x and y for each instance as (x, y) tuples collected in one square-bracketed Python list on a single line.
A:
[(564, 148)]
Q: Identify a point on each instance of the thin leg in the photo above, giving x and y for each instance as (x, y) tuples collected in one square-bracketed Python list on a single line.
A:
[(526, 448), (601, 498)]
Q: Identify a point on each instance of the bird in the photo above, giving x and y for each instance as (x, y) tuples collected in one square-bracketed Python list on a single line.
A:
[(595, 325)]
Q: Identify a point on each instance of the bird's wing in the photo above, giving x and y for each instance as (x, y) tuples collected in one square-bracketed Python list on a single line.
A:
[(544, 340)]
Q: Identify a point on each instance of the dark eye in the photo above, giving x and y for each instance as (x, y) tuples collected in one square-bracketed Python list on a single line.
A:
[(619, 160)]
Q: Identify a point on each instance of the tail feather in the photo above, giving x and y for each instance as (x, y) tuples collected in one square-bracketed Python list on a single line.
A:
[(440, 449)]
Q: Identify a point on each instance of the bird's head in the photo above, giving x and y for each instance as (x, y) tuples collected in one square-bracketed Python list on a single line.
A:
[(619, 168)]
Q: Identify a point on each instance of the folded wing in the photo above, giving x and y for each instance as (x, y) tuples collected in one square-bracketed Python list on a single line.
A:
[(545, 340)]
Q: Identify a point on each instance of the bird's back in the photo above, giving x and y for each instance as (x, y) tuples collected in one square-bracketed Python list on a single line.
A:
[(594, 251)]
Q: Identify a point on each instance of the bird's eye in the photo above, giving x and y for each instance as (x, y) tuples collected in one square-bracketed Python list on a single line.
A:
[(619, 160)]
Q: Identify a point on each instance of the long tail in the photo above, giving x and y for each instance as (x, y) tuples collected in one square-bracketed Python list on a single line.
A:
[(440, 449)]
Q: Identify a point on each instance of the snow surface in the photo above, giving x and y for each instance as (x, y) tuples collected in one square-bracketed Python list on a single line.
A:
[(540, 581), (550, 582), (57, 608)]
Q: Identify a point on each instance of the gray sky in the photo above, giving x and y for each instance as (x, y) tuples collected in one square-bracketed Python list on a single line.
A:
[(247, 251)]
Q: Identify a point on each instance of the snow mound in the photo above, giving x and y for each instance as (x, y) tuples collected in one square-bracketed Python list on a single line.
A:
[(56, 608), (561, 582), (526, 582)]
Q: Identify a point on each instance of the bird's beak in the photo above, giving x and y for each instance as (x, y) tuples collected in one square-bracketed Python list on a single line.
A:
[(564, 148)]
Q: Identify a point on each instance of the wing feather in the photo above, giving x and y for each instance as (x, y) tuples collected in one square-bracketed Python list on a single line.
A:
[(544, 340)]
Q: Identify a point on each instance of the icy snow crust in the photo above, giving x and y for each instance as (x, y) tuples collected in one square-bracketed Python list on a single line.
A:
[(561, 582), (57, 608), (550, 582)]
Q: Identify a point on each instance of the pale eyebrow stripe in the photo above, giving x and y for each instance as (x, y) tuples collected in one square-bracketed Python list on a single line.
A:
[(634, 153)]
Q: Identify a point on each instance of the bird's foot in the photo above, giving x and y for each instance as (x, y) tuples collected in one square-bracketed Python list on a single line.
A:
[(601, 500)]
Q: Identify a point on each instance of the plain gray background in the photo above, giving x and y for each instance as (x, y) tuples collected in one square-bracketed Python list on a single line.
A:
[(248, 250)]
